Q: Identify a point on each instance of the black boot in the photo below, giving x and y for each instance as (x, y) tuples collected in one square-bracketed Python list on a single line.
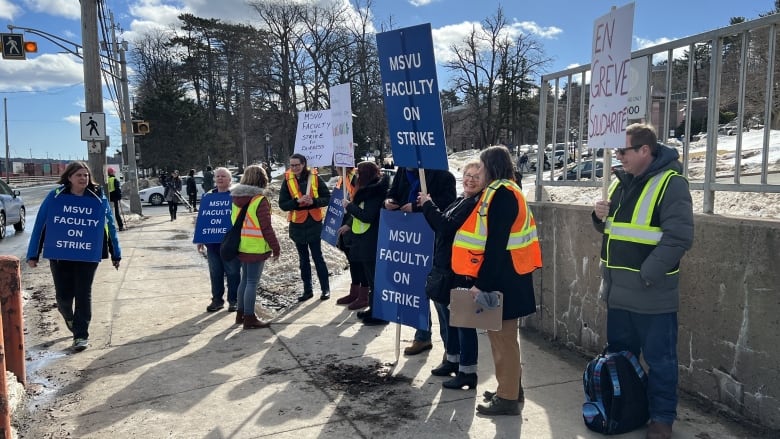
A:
[(363, 314), (499, 406), (462, 380), (445, 369)]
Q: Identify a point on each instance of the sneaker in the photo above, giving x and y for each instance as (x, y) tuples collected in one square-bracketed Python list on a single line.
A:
[(232, 307), (80, 344), (215, 305)]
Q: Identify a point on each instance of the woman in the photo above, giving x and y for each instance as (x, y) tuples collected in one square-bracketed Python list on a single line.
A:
[(355, 270), (192, 189), (498, 247), (363, 233), (460, 343), (173, 192), (303, 195), (74, 271), (218, 267), (258, 241)]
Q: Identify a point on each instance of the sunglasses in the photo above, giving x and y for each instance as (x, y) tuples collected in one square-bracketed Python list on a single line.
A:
[(622, 151)]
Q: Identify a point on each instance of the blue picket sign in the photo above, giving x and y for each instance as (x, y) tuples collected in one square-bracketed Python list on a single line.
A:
[(213, 218), (75, 227), (404, 257), (333, 217)]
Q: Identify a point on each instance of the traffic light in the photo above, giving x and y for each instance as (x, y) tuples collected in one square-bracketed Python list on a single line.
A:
[(140, 127), (30, 47), (13, 46)]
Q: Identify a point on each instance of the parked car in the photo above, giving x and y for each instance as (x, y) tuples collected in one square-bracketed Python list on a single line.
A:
[(155, 195), (12, 209), (586, 170)]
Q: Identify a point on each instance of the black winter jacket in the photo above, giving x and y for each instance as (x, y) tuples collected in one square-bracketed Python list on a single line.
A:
[(363, 246)]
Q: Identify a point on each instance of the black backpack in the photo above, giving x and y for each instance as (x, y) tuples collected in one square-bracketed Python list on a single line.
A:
[(615, 393)]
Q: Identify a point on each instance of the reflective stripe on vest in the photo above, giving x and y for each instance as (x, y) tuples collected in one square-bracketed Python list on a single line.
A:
[(637, 237), (359, 227), (252, 240), (349, 186), (468, 248), (299, 216)]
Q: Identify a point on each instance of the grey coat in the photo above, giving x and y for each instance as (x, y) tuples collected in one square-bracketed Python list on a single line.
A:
[(651, 290)]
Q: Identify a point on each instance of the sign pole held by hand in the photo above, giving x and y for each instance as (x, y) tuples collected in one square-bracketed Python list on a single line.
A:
[(423, 185), (607, 174)]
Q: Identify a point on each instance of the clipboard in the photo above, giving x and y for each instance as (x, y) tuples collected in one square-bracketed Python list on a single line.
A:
[(466, 313)]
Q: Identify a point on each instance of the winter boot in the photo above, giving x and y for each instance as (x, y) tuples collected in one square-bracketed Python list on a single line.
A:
[(362, 299), (252, 322), (239, 317), (351, 297)]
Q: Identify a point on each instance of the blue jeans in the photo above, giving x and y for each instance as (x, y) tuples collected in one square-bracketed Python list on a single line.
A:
[(421, 334), (247, 289), (218, 269), (655, 336), (319, 265), (459, 343)]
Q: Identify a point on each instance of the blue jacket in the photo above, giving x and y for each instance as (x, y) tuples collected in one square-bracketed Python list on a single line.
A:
[(110, 239)]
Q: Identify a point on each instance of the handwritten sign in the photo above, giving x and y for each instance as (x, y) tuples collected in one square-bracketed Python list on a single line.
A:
[(213, 218), (341, 117), (333, 217), (314, 137), (75, 227), (404, 257), (609, 80), (411, 94)]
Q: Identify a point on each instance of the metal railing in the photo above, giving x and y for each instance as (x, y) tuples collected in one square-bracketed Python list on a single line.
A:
[(737, 62)]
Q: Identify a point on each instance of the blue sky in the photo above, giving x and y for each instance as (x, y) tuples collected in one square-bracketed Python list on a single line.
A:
[(45, 93)]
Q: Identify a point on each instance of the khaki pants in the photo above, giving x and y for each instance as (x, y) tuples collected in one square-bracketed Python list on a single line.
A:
[(506, 356)]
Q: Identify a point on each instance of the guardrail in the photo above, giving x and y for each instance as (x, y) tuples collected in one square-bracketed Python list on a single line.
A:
[(30, 180)]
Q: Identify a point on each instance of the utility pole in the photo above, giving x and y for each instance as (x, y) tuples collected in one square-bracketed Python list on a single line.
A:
[(7, 146), (132, 172), (93, 92)]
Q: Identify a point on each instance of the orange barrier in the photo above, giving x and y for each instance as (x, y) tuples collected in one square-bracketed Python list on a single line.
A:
[(12, 316)]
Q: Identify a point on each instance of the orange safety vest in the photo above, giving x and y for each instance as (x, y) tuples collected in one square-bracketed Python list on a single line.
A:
[(468, 248), (350, 187), (299, 216)]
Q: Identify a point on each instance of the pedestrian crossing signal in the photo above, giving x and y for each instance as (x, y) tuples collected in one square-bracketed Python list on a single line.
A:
[(13, 46), (30, 47)]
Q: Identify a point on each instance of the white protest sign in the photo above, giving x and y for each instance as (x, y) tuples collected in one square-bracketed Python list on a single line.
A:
[(314, 137), (341, 117), (609, 80)]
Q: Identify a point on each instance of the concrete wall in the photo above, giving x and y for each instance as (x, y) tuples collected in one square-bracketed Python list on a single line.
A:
[(729, 336)]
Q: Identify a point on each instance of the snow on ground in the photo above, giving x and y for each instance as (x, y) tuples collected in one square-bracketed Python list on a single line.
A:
[(736, 204)]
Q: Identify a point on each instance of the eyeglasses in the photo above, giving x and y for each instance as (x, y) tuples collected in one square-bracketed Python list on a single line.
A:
[(471, 176), (622, 151)]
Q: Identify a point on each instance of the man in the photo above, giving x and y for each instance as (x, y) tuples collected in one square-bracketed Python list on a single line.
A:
[(208, 180), (115, 197), (403, 195), (648, 226), (302, 196)]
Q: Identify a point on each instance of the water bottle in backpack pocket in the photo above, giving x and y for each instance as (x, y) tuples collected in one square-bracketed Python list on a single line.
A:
[(615, 393)]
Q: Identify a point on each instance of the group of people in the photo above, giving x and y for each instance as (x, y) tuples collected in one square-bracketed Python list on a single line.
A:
[(485, 240)]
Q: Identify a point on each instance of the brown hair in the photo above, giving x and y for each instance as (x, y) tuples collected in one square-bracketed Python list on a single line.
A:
[(71, 169), (254, 175), (642, 134), (367, 172), (497, 163)]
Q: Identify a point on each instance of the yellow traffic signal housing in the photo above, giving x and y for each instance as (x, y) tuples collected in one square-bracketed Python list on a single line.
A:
[(30, 47), (140, 127)]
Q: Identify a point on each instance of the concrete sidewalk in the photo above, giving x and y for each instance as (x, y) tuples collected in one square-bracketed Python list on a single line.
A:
[(159, 366)]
